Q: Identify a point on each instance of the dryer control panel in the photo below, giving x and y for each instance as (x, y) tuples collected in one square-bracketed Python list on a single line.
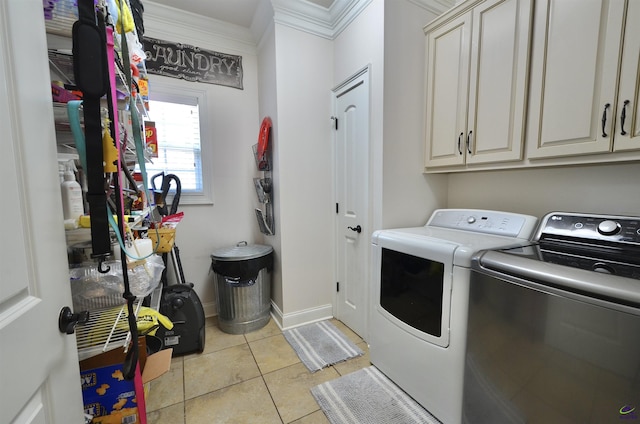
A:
[(482, 221)]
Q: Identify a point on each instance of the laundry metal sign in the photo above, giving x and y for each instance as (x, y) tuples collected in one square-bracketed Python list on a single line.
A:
[(191, 63)]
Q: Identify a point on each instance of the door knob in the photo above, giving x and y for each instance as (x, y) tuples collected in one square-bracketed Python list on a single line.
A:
[(67, 320), (357, 229)]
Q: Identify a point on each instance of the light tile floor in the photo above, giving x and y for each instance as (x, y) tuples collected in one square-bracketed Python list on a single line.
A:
[(252, 378)]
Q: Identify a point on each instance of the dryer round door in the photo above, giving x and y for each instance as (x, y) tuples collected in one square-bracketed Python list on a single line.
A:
[(412, 281)]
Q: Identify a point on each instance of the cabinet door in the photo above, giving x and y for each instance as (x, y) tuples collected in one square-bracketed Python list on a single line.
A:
[(627, 129), (447, 81), (498, 80), (576, 45)]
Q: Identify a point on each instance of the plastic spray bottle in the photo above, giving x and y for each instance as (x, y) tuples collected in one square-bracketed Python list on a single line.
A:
[(72, 204)]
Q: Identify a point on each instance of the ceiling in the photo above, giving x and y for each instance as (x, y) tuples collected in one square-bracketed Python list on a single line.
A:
[(238, 12)]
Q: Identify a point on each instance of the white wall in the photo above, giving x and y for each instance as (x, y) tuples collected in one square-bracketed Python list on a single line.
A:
[(268, 107), (289, 77), (233, 125), (303, 80), (359, 45), (606, 189), (388, 35), (409, 196)]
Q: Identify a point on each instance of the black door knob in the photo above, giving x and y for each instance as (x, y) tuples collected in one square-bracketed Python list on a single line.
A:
[(67, 320), (357, 229)]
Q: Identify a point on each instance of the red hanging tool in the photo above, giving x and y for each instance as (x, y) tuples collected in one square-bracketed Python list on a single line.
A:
[(263, 144)]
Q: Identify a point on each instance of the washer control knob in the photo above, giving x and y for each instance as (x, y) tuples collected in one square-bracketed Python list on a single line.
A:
[(471, 219), (608, 227)]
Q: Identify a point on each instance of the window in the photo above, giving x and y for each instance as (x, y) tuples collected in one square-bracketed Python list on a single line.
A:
[(178, 130), (182, 144)]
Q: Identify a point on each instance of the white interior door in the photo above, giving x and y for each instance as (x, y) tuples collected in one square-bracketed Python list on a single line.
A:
[(353, 234), (38, 365)]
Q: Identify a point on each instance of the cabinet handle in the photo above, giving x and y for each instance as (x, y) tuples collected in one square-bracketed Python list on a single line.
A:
[(623, 117), (459, 141), (469, 142), (604, 119)]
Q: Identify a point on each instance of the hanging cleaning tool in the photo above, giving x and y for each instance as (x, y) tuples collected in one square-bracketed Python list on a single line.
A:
[(90, 71), (263, 144), (130, 365)]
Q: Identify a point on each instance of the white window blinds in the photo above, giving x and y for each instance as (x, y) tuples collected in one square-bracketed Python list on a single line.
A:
[(179, 150)]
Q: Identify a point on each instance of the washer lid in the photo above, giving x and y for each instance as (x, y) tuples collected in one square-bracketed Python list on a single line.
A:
[(241, 251)]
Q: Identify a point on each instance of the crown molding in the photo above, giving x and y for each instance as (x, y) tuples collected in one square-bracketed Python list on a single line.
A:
[(262, 20), (318, 20), (299, 14), (435, 6), (329, 23)]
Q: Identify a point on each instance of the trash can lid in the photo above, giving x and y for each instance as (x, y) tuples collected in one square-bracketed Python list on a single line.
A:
[(241, 251)]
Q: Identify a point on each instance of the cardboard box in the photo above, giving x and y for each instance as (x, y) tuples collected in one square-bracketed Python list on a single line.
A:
[(107, 395)]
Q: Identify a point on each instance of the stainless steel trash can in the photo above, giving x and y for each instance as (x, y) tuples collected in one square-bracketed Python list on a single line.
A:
[(243, 286)]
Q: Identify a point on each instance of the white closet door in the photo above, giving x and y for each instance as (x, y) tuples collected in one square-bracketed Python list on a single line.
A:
[(627, 136), (498, 80), (447, 82), (38, 365), (576, 44)]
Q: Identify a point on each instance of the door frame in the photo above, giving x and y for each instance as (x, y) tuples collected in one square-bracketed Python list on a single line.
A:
[(341, 88)]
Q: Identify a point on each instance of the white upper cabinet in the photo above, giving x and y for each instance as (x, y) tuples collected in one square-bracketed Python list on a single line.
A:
[(498, 80), (447, 82), (573, 107), (476, 83), (627, 123)]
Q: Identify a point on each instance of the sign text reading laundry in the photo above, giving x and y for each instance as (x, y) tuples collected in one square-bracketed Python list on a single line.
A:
[(192, 63)]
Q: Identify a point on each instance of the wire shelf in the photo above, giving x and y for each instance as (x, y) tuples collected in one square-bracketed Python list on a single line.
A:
[(108, 328), (105, 330)]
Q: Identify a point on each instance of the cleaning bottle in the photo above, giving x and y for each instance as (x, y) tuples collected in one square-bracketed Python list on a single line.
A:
[(72, 205)]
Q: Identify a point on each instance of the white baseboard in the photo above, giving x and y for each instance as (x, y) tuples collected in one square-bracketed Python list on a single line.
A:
[(298, 318), (288, 321), (210, 309)]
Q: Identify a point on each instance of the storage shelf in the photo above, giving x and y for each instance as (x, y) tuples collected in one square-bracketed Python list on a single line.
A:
[(107, 328), (65, 138)]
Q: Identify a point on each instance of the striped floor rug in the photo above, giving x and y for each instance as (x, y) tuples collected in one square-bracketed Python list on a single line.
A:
[(368, 397), (321, 344)]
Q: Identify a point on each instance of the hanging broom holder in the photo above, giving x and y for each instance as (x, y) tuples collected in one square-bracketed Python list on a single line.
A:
[(264, 186)]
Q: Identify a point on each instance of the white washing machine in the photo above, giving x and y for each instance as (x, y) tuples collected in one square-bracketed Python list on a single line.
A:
[(420, 296)]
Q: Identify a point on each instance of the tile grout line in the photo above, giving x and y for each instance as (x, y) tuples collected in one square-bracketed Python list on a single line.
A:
[(184, 376), (262, 374), (184, 391), (264, 381)]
